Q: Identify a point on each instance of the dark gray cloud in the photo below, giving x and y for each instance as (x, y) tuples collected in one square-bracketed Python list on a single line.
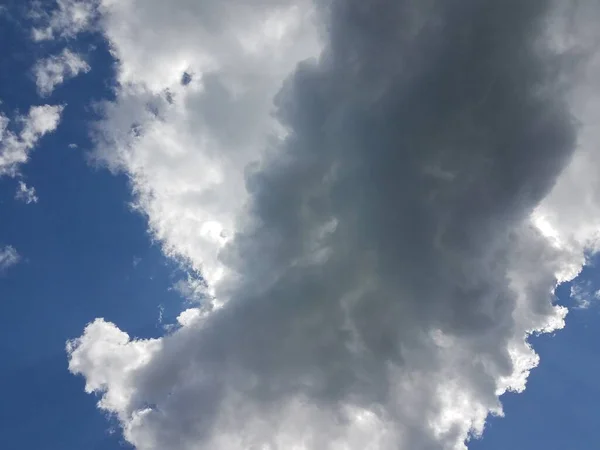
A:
[(386, 272)]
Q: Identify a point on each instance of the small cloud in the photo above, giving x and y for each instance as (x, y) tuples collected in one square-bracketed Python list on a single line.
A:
[(8, 257), (54, 70), (26, 193), (136, 261), (16, 146), (583, 294), (72, 145)]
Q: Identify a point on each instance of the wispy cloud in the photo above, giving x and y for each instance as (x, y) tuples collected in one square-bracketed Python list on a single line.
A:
[(26, 193), (66, 20), (54, 70), (584, 293), (16, 145), (8, 257)]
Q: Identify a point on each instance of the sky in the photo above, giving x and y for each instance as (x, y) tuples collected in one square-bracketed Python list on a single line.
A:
[(297, 224)]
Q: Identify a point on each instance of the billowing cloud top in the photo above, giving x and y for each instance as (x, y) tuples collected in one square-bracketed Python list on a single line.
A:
[(373, 195)]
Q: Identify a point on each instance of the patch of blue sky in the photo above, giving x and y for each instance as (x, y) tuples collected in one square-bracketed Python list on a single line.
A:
[(84, 254), (559, 408)]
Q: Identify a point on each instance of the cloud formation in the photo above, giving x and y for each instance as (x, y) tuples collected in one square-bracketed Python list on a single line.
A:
[(17, 143), (54, 70), (197, 83), (378, 227)]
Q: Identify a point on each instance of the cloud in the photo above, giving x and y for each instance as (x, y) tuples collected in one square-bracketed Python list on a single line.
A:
[(378, 227), (26, 193), (68, 18), (8, 257), (570, 215), (206, 129), (15, 146), (582, 294), (54, 70)]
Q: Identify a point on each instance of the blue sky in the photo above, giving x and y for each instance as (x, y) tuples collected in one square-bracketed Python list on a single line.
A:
[(558, 409), (80, 247), (114, 244)]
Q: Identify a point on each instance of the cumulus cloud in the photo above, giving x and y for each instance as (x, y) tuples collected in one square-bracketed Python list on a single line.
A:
[(196, 99), (374, 196), (54, 70), (17, 143), (8, 257)]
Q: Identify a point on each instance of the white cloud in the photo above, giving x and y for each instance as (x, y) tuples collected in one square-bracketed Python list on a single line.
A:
[(379, 248), (26, 193), (583, 293), (210, 128), (8, 257), (54, 70), (66, 20), (111, 349), (15, 146)]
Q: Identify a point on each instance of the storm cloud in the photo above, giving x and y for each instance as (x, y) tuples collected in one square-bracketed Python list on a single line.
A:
[(379, 279)]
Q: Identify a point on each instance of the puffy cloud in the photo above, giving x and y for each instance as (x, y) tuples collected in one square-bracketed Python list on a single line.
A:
[(8, 257), (196, 99), (54, 70), (26, 193), (15, 146), (109, 353), (379, 247)]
